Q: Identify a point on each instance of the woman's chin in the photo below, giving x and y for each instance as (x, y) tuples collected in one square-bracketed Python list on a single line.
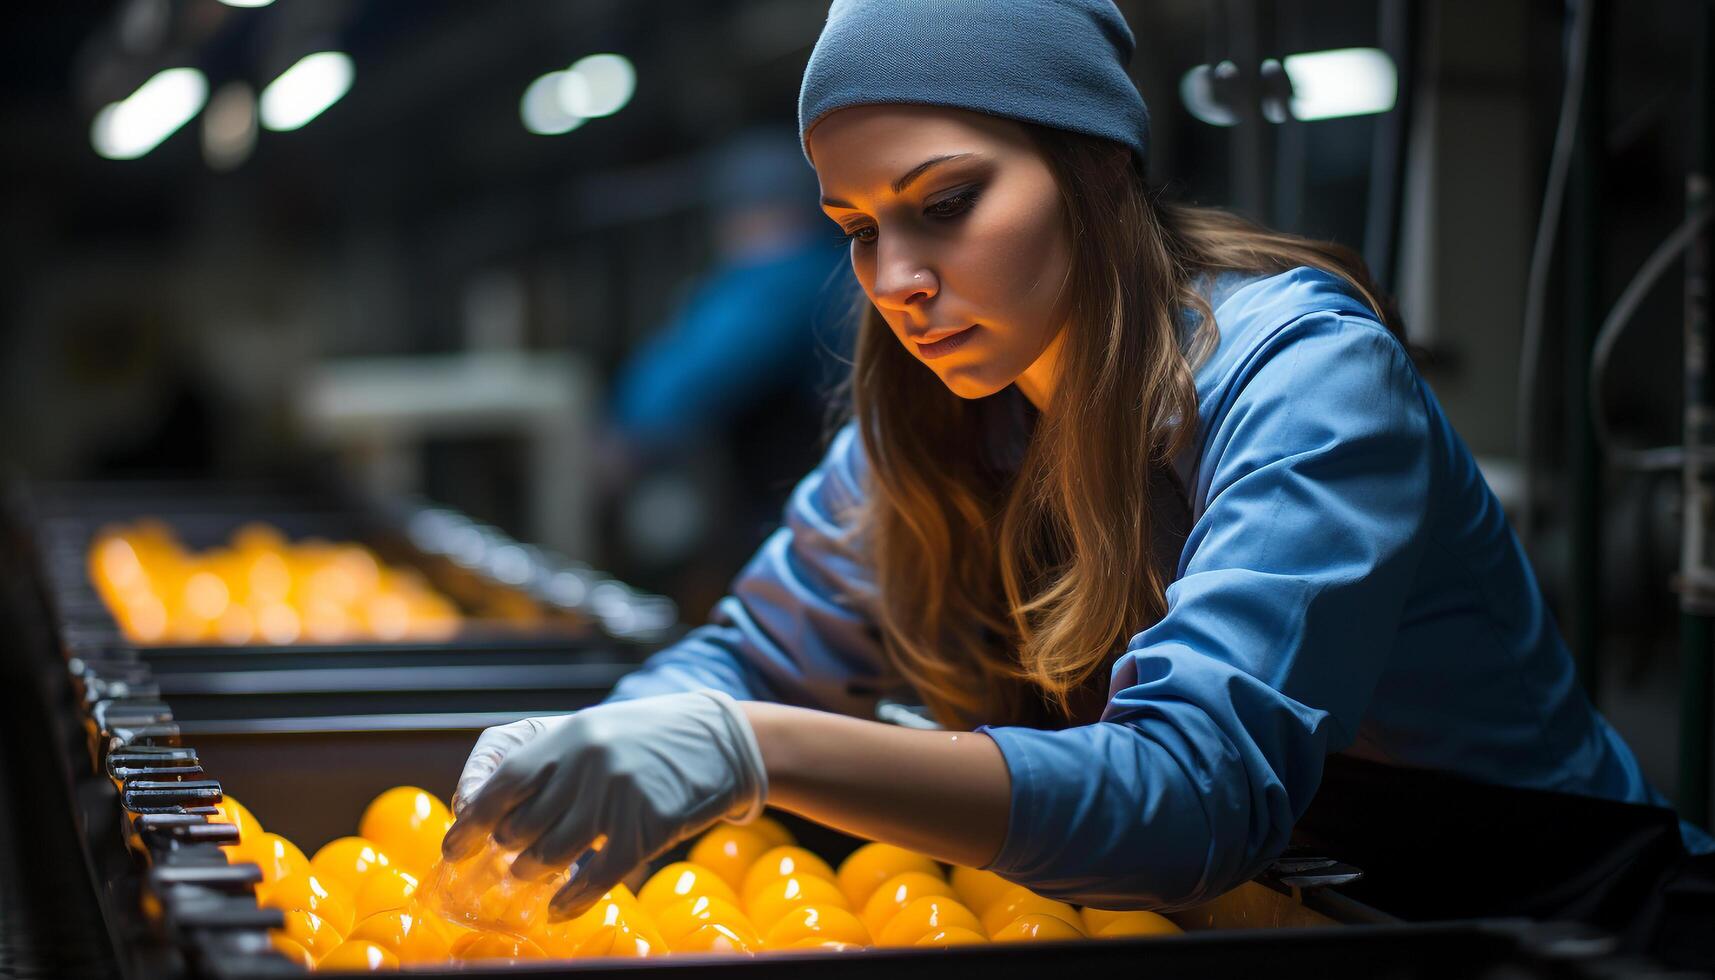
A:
[(970, 384)]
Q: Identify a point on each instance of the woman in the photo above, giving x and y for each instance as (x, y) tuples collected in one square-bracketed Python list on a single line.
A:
[(1146, 505)]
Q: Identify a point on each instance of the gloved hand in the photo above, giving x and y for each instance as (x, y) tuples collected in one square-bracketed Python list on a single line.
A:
[(644, 774)]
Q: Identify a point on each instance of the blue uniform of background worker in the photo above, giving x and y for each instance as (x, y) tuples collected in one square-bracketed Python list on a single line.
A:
[(717, 412), (1354, 652)]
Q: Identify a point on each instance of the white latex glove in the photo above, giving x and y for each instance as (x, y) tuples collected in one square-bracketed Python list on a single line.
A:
[(491, 747), (644, 774)]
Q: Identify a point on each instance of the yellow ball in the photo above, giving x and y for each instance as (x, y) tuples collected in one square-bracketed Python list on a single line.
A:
[(679, 881), (1037, 927), (863, 871), (922, 916), (622, 937), (275, 855), (308, 893), (897, 892), (780, 896), (615, 926), (716, 938), (311, 932), (825, 945), (778, 863), (1021, 901), (496, 946), (233, 812), (358, 955), (772, 831), (348, 861), (387, 888), (408, 935), (1113, 925), (979, 889), (952, 936), (291, 949), (822, 922), (408, 823), (729, 850), (679, 920)]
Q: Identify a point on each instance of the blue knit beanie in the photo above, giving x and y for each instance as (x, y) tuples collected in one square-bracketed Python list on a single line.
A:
[(1059, 63)]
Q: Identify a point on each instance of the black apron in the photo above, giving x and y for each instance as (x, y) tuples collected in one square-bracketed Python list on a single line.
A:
[(1433, 845)]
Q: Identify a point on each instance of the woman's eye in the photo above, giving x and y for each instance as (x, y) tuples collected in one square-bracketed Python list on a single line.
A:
[(862, 233), (952, 206)]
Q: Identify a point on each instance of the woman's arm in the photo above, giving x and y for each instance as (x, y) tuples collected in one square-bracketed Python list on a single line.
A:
[(797, 626), (946, 794)]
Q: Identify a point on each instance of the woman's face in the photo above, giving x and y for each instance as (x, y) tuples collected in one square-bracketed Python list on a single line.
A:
[(958, 238)]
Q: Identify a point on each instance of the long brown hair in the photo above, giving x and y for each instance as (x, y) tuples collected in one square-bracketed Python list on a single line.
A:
[(1001, 593)]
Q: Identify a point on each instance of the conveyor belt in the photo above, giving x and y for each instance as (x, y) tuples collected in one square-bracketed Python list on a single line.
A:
[(50, 922)]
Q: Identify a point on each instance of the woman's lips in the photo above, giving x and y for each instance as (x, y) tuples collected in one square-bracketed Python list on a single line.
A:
[(947, 345)]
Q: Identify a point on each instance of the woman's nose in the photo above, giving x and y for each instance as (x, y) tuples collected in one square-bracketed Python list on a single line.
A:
[(901, 283)]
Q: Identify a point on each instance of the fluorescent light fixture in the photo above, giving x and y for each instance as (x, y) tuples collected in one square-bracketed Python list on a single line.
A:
[(1325, 85), (305, 90), (599, 85), (1197, 91), (128, 129), (247, 3), (541, 107), (1342, 82)]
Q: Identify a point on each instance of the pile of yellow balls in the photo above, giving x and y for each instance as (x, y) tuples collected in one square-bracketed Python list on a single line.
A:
[(365, 902), (260, 588)]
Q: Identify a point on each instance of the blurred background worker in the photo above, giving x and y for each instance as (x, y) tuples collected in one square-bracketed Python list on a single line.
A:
[(717, 413)]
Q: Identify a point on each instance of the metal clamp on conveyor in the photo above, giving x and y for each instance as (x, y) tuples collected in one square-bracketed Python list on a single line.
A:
[(169, 795)]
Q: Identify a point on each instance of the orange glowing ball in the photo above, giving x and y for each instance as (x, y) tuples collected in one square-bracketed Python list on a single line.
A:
[(348, 861), (979, 889), (386, 889), (952, 936), (233, 812), (291, 949), (897, 892), (729, 850), (679, 881), (496, 946), (309, 931), (683, 918), (1037, 927), (275, 855), (1022, 901), (771, 830), (717, 938), (1115, 925), (567, 937), (823, 922), (308, 893), (408, 935), (408, 823), (357, 955), (780, 862), (925, 915), (864, 870), (780, 896)]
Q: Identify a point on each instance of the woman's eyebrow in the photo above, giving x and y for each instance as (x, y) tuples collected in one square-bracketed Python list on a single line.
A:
[(905, 180)]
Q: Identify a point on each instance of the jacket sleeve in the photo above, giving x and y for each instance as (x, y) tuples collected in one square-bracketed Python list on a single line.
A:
[(797, 627), (1291, 586)]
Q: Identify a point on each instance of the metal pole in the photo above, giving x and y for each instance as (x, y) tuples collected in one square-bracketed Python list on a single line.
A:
[(1697, 576), (1583, 315)]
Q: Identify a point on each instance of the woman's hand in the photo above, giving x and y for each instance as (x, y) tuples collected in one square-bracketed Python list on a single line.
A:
[(609, 787)]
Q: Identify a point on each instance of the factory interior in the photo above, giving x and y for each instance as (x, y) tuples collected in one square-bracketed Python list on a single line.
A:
[(381, 375)]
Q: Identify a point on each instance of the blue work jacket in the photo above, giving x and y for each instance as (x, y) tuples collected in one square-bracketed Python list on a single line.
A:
[(1349, 584)]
